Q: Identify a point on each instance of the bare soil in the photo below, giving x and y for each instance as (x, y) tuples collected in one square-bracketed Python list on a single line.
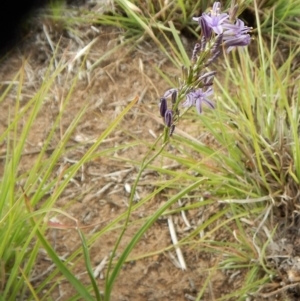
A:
[(152, 272)]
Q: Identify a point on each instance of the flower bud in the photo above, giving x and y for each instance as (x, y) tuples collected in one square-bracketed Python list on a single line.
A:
[(174, 96), (163, 106), (203, 44), (196, 50), (208, 76), (217, 44), (212, 59), (172, 129), (168, 118), (233, 11), (206, 29)]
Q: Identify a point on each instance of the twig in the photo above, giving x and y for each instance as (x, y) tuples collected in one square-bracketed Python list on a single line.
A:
[(187, 223), (284, 288), (175, 243), (247, 201), (49, 269), (100, 267)]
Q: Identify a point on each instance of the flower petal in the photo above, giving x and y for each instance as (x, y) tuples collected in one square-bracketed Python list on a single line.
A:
[(209, 103), (199, 106), (169, 93)]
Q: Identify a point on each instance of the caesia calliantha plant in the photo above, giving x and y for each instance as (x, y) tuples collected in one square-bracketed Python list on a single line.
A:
[(218, 31)]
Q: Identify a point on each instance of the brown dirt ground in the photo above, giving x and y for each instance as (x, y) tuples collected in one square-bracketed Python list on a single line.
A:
[(107, 89), (152, 272)]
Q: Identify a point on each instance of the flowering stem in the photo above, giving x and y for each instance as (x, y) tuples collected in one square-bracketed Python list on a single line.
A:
[(111, 278), (217, 29)]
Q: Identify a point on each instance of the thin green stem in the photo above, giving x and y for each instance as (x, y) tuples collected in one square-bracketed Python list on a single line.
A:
[(144, 165)]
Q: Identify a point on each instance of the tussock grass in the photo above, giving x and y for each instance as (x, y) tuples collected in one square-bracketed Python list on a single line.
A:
[(253, 163), (23, 226)]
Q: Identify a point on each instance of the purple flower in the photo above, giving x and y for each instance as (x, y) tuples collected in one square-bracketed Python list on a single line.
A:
[(236, 34), (234, 41), (197, 98), (215, 22), (212, 21)]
